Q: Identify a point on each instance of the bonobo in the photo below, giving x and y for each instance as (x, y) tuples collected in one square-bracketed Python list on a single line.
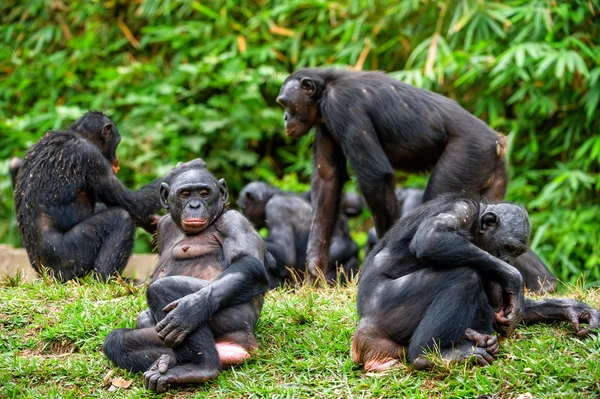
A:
[(441, 279), (60, 180), (287, 216), (206, 292), (379, 124)]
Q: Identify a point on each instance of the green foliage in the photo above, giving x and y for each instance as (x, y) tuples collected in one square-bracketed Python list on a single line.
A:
[(186, 78)]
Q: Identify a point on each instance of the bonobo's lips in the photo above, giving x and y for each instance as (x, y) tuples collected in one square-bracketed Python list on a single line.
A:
[(115, 166), (195, 222)]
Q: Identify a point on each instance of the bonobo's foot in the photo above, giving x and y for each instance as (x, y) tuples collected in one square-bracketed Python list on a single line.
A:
[(379, 365), (484, 341), (459, 354), (231, 353), (166, 372)]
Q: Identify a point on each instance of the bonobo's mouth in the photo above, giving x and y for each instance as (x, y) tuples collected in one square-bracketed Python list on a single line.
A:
[(195, 222), (115, 165)]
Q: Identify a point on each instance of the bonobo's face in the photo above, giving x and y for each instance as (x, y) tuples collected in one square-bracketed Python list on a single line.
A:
[(503, 231), (252, 203), (352, 204), (109, 144), (195, 199), (301, 111)]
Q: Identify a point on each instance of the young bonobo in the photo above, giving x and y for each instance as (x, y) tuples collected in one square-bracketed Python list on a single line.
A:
[(441, 278), (288, 216), (378, 125), (206, 292), (60, 180)]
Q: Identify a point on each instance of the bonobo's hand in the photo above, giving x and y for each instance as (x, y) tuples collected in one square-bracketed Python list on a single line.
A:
[(578, 312), (511, 314), (151, 223), (184, 316)]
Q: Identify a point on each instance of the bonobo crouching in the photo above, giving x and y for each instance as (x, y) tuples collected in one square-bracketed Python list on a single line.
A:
[(206, 292), (442, 279), (59, 184), (288, 217)]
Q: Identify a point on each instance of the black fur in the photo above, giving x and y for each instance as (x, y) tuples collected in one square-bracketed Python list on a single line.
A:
[(379, 125), (287, 216), (62, 178), (211, 277), (442, 269)]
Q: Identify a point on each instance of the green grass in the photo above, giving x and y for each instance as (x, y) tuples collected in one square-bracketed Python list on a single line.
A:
[(51, 336)]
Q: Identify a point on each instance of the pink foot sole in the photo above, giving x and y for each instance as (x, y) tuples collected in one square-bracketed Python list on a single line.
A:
[(377, 366)]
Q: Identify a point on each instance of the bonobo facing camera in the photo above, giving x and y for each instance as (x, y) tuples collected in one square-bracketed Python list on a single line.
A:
[(206, 292)]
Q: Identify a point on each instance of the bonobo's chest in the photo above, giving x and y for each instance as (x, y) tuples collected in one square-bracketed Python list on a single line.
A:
[(199, 256)]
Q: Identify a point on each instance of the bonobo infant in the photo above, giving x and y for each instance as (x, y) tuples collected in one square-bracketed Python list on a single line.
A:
[(206, 292), (287, 216), (442, 279)]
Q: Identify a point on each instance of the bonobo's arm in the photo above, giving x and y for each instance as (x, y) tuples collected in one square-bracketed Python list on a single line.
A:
[(440, 241), (549, 310), (327, 183), (376, 177), (244, 279), (281, 241)]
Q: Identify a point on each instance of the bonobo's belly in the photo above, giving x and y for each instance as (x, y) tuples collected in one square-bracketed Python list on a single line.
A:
[(195, 256)]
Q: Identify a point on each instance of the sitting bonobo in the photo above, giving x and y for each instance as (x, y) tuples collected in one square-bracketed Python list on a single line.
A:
[(206, 292), (441, 279)]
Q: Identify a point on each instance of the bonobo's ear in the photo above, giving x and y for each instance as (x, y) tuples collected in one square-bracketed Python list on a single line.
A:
[(488, 221), (223, 191), (105, 132), (308, 85), (164, 195)]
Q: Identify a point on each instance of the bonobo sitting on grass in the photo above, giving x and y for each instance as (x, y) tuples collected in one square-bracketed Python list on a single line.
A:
[(206, 292), (441, 278)]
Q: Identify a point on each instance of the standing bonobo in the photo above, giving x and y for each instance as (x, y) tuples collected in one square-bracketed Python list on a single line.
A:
[(379, 124), (441, 279), (206, 291), (60, 180), (288, 216)]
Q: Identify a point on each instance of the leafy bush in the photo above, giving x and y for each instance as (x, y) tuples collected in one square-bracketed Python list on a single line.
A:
[(187, 78)]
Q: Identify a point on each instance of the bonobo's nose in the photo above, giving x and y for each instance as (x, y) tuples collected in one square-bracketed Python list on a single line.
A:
[(194, 204)]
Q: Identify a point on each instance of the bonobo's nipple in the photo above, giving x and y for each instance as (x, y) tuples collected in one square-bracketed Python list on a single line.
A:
[(185, 248)]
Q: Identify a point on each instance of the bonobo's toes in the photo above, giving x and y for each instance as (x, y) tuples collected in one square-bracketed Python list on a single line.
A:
[(158, 378), (469, 353), (377, 366), (484, 341)]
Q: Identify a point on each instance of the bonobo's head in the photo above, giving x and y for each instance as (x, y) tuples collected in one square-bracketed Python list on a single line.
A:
[(503, 230), (253, 202), (352, 204), (300, 95), (100, 130), (194, 199)]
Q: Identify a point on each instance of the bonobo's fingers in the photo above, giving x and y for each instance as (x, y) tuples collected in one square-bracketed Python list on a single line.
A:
[(171, 306), (583, 313)]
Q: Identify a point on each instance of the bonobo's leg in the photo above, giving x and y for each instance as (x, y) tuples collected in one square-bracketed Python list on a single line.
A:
[(460, 311), (424, 310), (466, 165), (137, 349), (535, 273), (101, 243)]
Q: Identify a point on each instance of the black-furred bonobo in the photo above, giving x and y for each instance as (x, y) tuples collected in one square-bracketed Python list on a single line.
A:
[(59, 182), (206, 292), (379, 124), (441, 279), (288, 216)]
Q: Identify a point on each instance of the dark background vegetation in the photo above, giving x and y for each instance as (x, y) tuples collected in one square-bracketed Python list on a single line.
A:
[(185, 79)]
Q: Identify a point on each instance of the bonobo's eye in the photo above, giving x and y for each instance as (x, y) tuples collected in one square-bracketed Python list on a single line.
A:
[(185, 194), (204, 193)]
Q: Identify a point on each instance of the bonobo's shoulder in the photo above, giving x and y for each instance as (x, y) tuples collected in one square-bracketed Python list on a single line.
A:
[(232, 223), (165, 222), (283, 204)]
